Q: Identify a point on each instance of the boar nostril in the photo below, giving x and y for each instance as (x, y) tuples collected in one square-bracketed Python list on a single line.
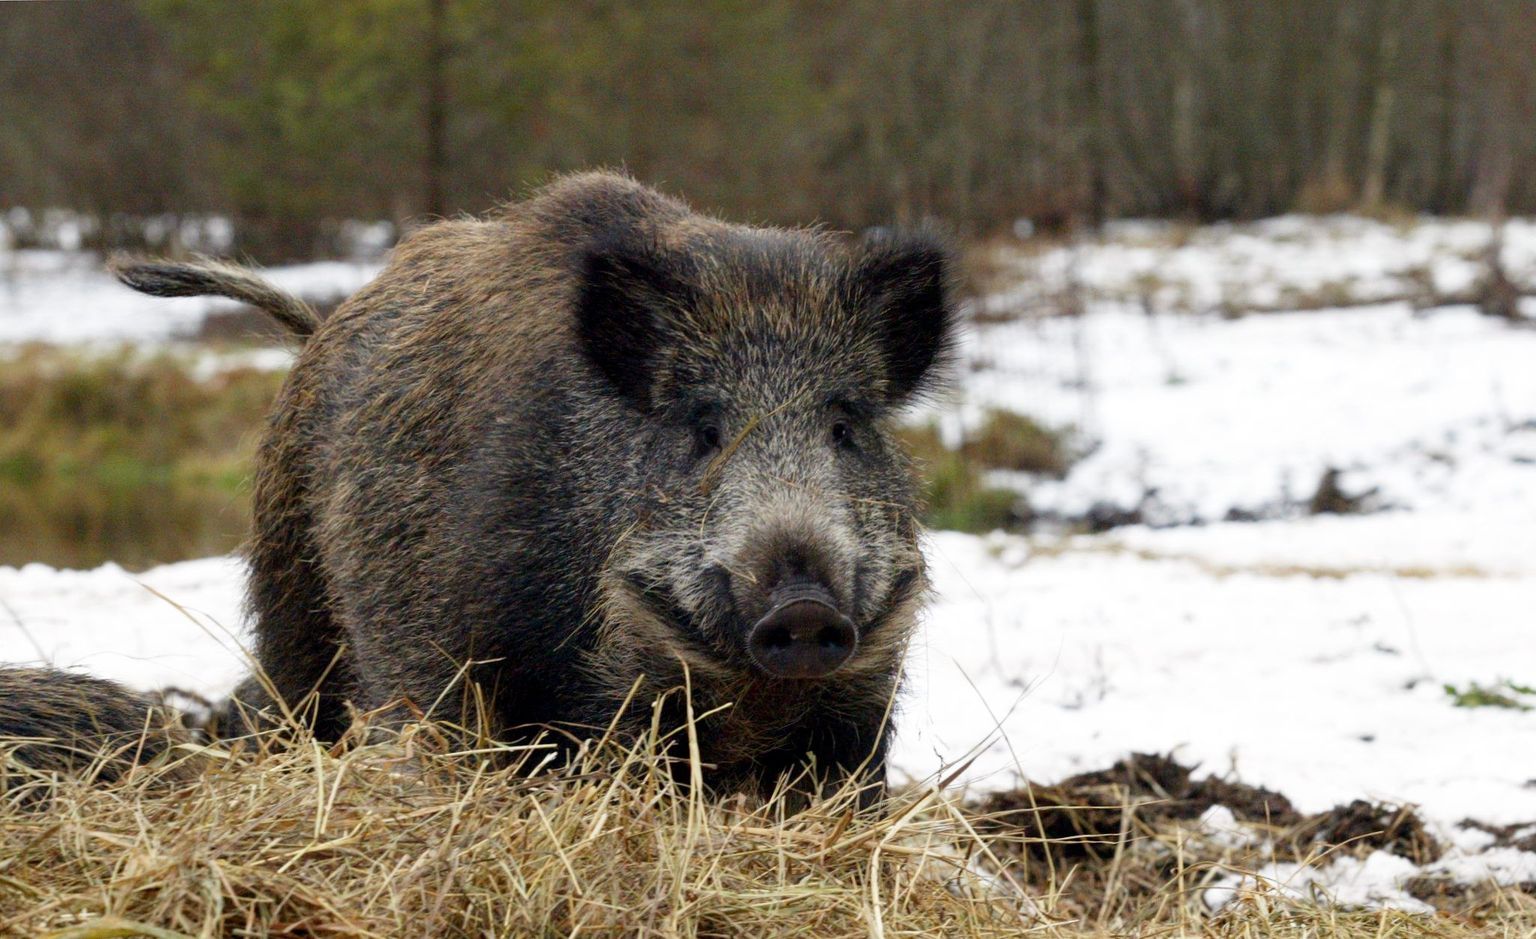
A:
[(773, 640), (803, 634)]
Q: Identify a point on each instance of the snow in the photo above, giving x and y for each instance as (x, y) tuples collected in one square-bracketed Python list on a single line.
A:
[(1416, 543), (1326, 689), (176, 625), (1379, 880), (1375, 881), (68, 230), (1287, 262), (1305, 654), (1435, 410)]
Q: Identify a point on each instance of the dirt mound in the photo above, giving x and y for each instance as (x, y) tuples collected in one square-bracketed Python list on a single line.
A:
[(1096, 815), (1364, 825)]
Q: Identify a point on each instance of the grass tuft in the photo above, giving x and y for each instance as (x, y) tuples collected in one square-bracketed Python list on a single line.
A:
[(410, 837), (958, 496), (1009, 441), (403, 834), (1505, 694), (955, 494)]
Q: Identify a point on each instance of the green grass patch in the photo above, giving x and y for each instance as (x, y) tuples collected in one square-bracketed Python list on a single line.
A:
[(955, 497), (1504, 694), (957, 494), (125, 457), (145, 460), (1009, 441)]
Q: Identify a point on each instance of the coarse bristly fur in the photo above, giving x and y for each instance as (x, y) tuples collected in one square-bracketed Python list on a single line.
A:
[(563, 453), (61, 722)]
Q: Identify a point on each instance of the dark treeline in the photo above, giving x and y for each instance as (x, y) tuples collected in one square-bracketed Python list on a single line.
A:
[(289, 114)]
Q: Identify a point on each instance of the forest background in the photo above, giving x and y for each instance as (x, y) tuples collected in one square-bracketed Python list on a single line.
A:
[(290, 117)]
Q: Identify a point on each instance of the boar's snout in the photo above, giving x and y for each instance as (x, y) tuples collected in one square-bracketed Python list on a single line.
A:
[(803, 634)]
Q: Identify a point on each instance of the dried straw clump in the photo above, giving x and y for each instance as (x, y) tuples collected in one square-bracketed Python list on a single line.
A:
[(408, 837), (413, 835)]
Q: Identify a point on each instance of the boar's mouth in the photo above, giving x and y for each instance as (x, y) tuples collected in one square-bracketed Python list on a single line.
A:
[(686, 629), (767, 647), (906, 587), (761, 649)]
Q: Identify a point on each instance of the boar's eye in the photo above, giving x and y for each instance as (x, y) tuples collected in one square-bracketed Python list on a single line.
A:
[(707, 438), (842, 433)]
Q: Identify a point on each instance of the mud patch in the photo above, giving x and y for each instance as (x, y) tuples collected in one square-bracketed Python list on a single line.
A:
[(1445, 893), (1362, 825), (1090, 812), (1521, 835), (1137, 822), (1331, 498)]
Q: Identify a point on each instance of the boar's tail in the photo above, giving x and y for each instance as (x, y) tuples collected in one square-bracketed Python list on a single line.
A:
[(205, 277)]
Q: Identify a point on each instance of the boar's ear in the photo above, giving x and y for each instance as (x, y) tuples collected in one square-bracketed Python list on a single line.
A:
[(902, 282), (625, 293)]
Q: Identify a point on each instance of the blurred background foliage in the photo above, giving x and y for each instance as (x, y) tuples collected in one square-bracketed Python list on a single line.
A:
[(125, 456), (288, 115)]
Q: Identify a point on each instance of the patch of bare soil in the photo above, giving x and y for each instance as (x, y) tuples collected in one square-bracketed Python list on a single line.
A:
[(1362, 825), (1133, 827), (1086, 814), (1445, 893), (1521, 835)]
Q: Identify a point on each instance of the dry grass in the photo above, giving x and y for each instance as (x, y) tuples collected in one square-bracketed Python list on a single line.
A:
[(955, 494), (144, 459), (1009, 441), (124, 456), (408, 837)]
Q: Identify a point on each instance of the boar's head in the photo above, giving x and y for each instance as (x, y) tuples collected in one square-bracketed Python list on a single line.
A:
[(761, 373)]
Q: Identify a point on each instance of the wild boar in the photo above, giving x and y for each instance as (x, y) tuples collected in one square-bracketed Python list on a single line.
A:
[(597, 442)]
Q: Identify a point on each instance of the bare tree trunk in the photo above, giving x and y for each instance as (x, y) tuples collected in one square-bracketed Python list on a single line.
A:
[(1186, 170), (969, 77), (1498, 295), (435, 166), (1378, 136), (1092, 109), (1445, 169), (1332, 185)]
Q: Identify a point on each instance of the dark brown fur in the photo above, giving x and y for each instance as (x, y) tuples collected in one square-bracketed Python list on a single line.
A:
[(61, 722), (490, 455)]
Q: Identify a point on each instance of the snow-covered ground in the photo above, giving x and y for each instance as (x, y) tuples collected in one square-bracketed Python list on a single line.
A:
[(1196, 416), (177, 625), (1306, 654), (1288, 262)]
